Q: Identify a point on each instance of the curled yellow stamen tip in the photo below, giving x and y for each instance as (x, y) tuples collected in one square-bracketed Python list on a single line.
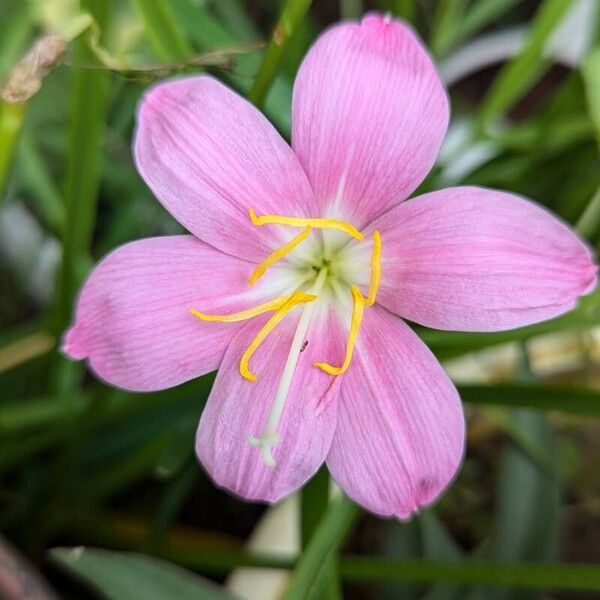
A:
[(292, 301), (277, 255), (357, 315), (375, 269), (244, 314), (302, 222)]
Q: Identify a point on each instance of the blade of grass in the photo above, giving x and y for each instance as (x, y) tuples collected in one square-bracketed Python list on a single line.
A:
[(291, 16), (39, 413), (447, 16), (438, 544), (220, 559), (405, 9), (584, 402), (313, 504), (11, 121), (314, 499), (515, 79), (128, 576), (35, 179), (480, 15), (214, 34), (15, 29), (24, 349), (164, 35), (528, 499), (590, 70), (89, 101), (332, 529), (526, 575), (588, 222), (448, 344)]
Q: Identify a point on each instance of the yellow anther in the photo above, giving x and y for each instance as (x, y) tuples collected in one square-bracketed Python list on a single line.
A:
[(375, 269), (277, 255), (357, 315), (245, 314), (293, 300), (302, 222)]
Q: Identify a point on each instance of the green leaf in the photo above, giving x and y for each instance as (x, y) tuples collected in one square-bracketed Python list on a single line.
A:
[(330, 533), (11, 121), (35, 179), (128, 576), (220, 559), (526, 575), (588, 222), (314, 499), (439, 545), (213, 34), (405, 9), (448, 15), (313, 504), (291, 16), (520, 74), (168, 42), (590, 69), (89, 102), (481, 14), (400, 541), (40, 412), (449, 344), (528, 501), (568, 399)]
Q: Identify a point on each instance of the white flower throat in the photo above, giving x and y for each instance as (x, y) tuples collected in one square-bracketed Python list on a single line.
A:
[(324, 272)]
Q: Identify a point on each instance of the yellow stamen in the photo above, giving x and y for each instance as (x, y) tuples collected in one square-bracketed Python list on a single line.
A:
[(301, 222), (375, 269), (277, 255), (293, 300), (245, 314), (357, 314)]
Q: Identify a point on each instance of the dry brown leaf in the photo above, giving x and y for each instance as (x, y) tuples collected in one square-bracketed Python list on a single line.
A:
[(26, 77)]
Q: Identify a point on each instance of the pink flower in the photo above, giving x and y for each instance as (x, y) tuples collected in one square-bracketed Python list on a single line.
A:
[(326, 370)]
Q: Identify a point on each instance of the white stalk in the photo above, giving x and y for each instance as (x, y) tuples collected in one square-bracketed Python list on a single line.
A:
[(270, 434)]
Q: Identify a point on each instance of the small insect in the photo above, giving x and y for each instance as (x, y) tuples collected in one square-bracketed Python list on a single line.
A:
[(304, 346)]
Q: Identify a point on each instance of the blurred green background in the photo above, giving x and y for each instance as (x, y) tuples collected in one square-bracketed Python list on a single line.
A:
[(87, 471)]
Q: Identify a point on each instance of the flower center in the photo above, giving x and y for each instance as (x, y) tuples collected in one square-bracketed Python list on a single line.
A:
[(326, 273)]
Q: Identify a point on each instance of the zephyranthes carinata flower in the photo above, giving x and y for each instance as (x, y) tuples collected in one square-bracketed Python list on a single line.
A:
[(303, 262)]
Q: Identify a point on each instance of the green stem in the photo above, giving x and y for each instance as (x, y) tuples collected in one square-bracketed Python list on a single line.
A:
[(291, 16)]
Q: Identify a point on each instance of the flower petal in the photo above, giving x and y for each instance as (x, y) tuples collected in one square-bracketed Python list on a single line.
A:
[(369, 115), (400, 431), (238, 409), (210, 156), (475, 259), (133, 320)]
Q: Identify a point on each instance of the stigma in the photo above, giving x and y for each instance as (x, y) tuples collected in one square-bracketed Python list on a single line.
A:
[(324, 278)]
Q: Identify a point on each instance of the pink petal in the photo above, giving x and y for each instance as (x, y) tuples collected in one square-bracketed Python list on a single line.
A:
[(400, 434), (133, 320), (369, 115), (209, 156), (474, 259), (238, 409)]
